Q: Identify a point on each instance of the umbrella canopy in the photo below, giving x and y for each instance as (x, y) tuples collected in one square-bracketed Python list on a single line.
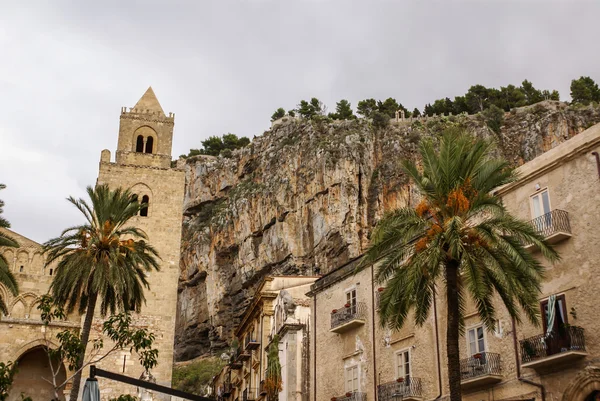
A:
[(91, 391)]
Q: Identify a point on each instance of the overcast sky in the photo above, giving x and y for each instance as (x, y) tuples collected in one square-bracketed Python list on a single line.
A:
[(67, 67)]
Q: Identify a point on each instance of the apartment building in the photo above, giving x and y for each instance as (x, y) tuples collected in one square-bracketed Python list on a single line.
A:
[(279, 307), (354, 358)]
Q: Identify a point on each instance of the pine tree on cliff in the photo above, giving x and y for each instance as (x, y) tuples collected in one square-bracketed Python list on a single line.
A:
[(6, 276), (459, 236), (104, 260)]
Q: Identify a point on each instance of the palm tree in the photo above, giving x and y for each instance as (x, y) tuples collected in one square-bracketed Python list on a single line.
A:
[(460, 234), (6, 276), (104, 259)]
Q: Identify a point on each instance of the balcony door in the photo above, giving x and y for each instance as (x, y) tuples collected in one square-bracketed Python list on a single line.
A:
[(540, 210), (351, 300), (556, 319), (476, 339), (352, 379), (403, 365)]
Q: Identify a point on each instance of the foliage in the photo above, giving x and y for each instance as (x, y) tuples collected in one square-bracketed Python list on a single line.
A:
[(584, 90), (343, 111), (118, 328), (196, 376), (273, 382), (214, 145), (367, 107), (124, 397), (494, 118), (311, 109), (7, 374), (380, 120), (461, 235), (279, 113), (107, 259), (416, 113), (6, 276)]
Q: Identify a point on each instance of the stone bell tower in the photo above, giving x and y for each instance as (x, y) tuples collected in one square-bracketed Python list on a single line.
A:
[(143, 165)]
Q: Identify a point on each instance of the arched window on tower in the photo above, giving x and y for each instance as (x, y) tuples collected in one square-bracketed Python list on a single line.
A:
[(149, 144), (146, 203), (139, 144)]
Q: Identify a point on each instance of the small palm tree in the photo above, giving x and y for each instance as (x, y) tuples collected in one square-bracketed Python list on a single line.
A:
[(460, 234), (6, 276), (105, 259)]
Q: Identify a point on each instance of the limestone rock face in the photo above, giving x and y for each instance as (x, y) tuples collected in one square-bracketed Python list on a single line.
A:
[(303, 198)]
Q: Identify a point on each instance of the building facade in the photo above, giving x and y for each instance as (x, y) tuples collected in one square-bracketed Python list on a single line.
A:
[(354, 358), (143, 165), (279, 310)]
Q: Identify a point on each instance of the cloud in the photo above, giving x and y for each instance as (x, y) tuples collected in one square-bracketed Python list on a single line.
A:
[(225, 66)]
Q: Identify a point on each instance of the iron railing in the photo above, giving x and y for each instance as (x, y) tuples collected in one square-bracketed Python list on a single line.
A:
[(249, 394), (395, 391), (346, 314), (481, 364), (250, 342), (262, 389), (569, 338), (551, 223), (352, 396)]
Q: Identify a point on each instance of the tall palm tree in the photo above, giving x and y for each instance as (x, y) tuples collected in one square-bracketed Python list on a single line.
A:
[(105, 259), (460, 234), (6, 276)]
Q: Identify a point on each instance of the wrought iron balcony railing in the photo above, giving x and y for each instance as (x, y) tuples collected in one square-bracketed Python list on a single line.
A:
[(481, 364), (554, 225), (251, 343), (347, 314), (249, 394), (397, 390), (569, 338), (351, 396)]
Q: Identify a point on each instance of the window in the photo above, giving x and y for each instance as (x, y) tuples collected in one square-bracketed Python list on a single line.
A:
[(352, 379), (476, 340), (540, 204), (139, 144), (351, 300), (21, 269), (50, 271), (403, 365), (149, 144), (146, 204), (559, 320)]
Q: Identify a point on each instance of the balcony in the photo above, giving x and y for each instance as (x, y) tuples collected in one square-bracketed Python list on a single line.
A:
[(347, 317), (249, 394), (243, 356), (541, 351), (480, 370), (554, 226), (234, 361), (262, 389), (250, 343), (224, 391), (408, 389), (351, 396)]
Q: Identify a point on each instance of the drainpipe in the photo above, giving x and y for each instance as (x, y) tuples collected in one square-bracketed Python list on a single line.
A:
[(315, 353), (437, 344), (261, 348), (597, 162), (373, 339), (518, 363)]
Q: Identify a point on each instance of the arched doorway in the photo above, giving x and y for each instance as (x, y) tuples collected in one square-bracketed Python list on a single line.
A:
[(585, 386), (33, 365), (595, 396)]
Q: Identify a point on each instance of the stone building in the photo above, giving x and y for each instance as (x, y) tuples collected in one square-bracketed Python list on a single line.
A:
[(279, 307), (142, 164), (354, 358)]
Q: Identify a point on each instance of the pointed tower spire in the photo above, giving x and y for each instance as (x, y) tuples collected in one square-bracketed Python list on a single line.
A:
[(148, 102)]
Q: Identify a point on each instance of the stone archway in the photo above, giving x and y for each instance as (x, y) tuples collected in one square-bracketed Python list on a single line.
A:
[(585, 383), (33, 366)]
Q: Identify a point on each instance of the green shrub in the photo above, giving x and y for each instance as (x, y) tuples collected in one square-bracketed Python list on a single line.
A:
[(380, 120), (124, 397), (494, 118), (194, 377)]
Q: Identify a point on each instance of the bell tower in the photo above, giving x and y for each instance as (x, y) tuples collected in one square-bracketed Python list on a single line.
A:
[(145, 133), (143, 165)]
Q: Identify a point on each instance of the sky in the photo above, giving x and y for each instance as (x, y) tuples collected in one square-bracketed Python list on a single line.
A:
[(67, 68)]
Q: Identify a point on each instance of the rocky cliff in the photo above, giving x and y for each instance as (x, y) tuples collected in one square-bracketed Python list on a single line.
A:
[(303, 198)]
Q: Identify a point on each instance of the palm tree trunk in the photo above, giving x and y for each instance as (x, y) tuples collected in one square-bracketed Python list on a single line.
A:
[(452, 332), (85, 336)]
